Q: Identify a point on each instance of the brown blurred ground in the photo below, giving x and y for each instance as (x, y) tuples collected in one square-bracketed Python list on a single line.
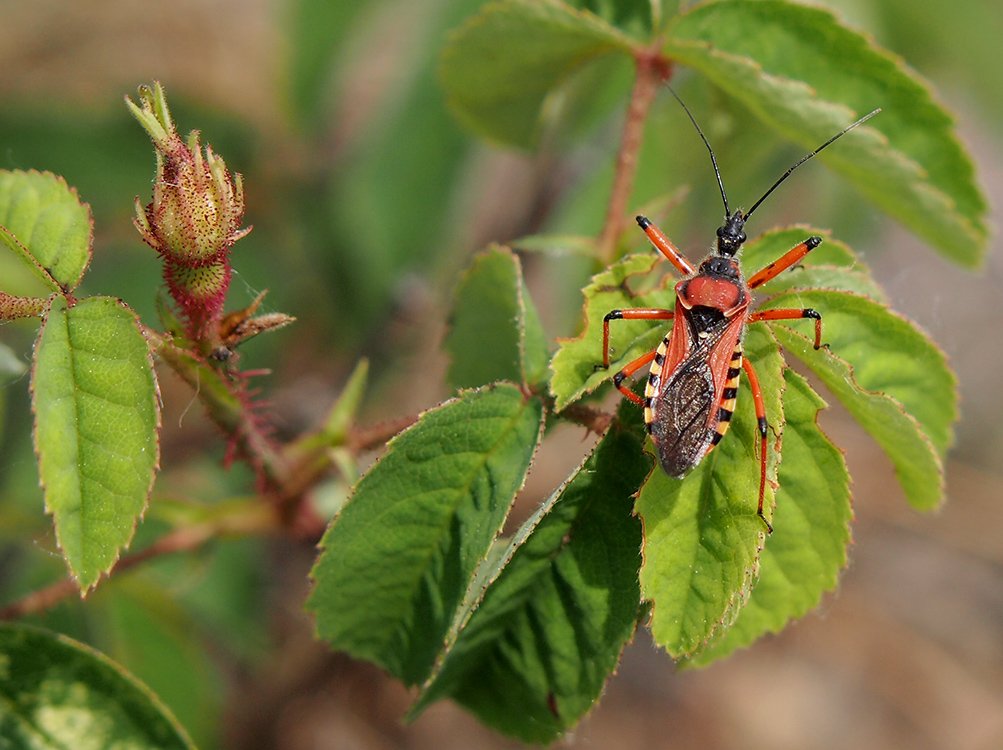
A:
[(907, 653)]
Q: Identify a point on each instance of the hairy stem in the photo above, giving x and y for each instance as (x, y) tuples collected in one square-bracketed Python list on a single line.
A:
[(652, 68), (226, 409)]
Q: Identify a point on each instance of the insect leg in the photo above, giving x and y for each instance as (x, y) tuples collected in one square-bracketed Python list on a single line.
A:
[(637, 313), (792, 313), (784, 262), (757, 397), (664, 245), (629, 370)]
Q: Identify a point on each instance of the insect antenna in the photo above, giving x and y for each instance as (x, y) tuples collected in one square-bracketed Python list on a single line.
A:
[(806, 157), (713, 159)]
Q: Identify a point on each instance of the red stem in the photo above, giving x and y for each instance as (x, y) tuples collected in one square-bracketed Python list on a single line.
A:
[(652, 69), (182, 540)]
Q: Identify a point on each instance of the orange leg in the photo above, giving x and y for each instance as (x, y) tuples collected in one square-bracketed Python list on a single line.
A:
[(784, 262), (671, 253), (664, 245), (637, 313), (757, 397), (792, 313), (629, 370)]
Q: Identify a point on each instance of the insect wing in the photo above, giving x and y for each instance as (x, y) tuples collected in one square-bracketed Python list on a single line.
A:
[(679, 428), (684, 407)]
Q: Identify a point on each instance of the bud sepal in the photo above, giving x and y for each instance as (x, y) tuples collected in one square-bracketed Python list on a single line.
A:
[(194, 218)]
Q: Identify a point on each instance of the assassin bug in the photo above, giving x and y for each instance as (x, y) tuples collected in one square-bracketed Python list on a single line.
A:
[(693, 381)]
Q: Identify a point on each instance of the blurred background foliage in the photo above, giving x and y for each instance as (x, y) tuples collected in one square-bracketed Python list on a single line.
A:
[(367, 199)]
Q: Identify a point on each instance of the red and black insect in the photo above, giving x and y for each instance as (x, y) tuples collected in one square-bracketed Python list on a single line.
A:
[(693, 381)]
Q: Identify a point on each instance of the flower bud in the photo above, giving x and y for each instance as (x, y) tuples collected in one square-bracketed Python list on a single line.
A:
[(197, 205), (199, 292), (194, 217)]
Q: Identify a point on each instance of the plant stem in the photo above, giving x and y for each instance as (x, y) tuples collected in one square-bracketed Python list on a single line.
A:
[(652, 68), (595, 421), (363, 439), (226, 409), (180, 540), (293, 516)]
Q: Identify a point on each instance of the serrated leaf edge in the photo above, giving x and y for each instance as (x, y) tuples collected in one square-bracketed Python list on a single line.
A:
[(975, 232), (593, 287), (686, 663), (473, 599), (58, 287), (917, 328), (736, 601), (924, 438), (86, 589), (483, 16), (391, 444)]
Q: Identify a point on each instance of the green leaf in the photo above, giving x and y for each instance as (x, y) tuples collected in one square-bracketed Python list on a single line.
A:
[(342, 414), (576, 367), (44, 223), (889, 376), (398, 559), (831, 265), (807, 76), (532, 650), (495, 333), (702, 537), (499, 67), (56, 693), (96, 419), (807, 550), (143, 627)]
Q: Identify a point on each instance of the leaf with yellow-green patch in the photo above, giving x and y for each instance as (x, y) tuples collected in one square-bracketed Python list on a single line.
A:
[(576, 368), (56, 693)]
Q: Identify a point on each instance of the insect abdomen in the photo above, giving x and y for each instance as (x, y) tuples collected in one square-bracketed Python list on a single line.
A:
[(685, 416), (728, 397)]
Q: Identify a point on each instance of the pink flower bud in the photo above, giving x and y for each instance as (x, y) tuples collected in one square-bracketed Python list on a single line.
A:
[(199, 292), (197, 205), (194, 217)]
